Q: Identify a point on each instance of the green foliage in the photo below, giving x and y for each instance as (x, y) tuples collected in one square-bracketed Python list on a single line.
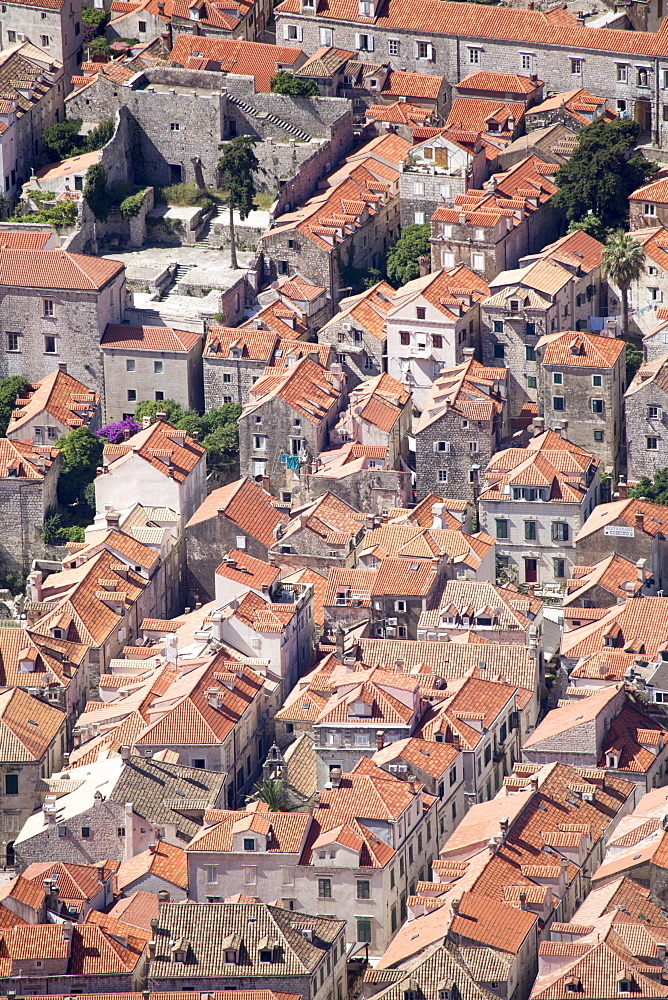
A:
[(237, 165), (96, 192), (60, 527), (286, 83), (94, 18), (100, 44), (62, 214), (654, 490), (81, 455), (99, 136), (62, 139), (9, 390), (218, 429), (623, 261), (403, 258), (273, 792), (592, 225), (602, 173), (131, 205), (634, 360)]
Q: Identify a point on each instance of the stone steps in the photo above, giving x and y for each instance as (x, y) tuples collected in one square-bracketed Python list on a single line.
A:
[(267, 116)]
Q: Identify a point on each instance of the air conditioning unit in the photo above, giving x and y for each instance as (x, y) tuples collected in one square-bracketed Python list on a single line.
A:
[(390, 633), (346, 326), (391, 621)]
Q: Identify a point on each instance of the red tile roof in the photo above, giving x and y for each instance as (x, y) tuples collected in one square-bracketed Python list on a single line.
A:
[(400, 83), (60, 395), (246, 504), (242, 568), (501, 83), (57, 269), (166, 449), (256, 59), (148, 338)]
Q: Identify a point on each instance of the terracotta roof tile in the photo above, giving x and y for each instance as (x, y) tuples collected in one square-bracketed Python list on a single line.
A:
[(166, 862), (256, 59), (57, 269), (60, 395), (155, 443), (148, 338)]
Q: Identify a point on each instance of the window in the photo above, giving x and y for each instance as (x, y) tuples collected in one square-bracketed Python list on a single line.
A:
[(530, 531), (363, 888), (400, 606), (404, 337), (501, 528), (85, 832), (13, 342), (649, 209), (423, 50), (46, 41), (478, 261), (597, 381), (598, 435), (526, 60), (326, 36), (442, 475), (560, 531), (559, 567), (324, 888), (418, 218), (643, 77), (652, 443), (558, 403), (50, 345), (653, 412), (250, 875), (158, 367), (365, 43), (622, 73), (531, 381), (418, 189), (597, 406), (11, 35), (473, 447), (159, 395), (557, 378), (393, 46), (499, 351), (530, 329), (474, 56), (530, 353), (364, 930), (62, 831), (497, 326), (141, 27), (576, 66), (437, 341), (47, 307), (132, 395), (11, 784), (453, 776), (174, 127)]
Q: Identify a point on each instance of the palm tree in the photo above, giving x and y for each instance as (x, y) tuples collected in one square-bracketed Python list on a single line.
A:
[(273, 792), (623, 262), (237, 166)]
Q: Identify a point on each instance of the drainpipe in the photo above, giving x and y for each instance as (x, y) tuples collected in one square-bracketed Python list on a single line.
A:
[(656, 118)]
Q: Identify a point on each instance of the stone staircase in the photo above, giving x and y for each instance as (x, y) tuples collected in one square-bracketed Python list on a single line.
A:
[(204, 240), (266, 117)]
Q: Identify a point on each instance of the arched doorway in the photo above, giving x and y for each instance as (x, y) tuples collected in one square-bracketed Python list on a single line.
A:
[(10, 854)]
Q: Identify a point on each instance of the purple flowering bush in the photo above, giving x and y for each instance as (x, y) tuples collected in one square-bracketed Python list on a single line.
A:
[(114, 433)]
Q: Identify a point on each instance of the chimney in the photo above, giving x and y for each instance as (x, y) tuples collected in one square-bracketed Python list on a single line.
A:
[(62, 366), (67, 931), (151, 949), (340, 646), (622, 488), (425, 266), (153, 847), (195, 436), (335, 776), (523, 899), (438, 510), (125, 753), (454, 903), (469, 353), (639, 519), (661, 952), (538, 425), (145, 422), (162, 417), (563, 429), (380, 739), (126, 434), (462, 218), (533, 781), (532, 589), (164, 896), (504, 824)]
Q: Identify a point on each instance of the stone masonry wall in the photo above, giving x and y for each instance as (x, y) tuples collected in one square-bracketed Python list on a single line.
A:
[(458, 461)]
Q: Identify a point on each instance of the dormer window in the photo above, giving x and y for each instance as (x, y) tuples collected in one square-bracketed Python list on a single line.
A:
[(266, 955), (180, 956), (194, 14), (249, 843), (366, 8), (514, 305), (624, 985), (230, 957)]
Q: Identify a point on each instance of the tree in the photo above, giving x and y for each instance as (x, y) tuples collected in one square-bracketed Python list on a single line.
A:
[(62, 139), (218, 429), (623, 262), (9, 390), (150, 408), (273, 792), (403, 258), (654, 490), (81, 456), (237, 166), (286, 83), (100, 135), (602, 172), (592, 225), (96, 192), (634, 360)]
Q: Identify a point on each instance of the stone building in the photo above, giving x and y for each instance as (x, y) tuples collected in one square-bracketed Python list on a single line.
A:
[(288, 417), (438, 169), (160, 868), (634, 528), (159, 466), (648, 292), (646, 412), (317, 241), (655, 343), (168, 126), (150, 363), (340, 857), (257, 59), (648, 205), (581, 386), (357, 331), (280, 950), (362, 475), (462, 424), (124, 804), (146, 20), (496, 614), (38, 103), (234, 359), (483, 232), (553, 290), (535, 522), (626, 66), (575, 108), (48, 409), (55, 28), (55, 307), (434, 319), (28, 492), (379, 413), (33, 739), (322, 533), (241, 515)]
